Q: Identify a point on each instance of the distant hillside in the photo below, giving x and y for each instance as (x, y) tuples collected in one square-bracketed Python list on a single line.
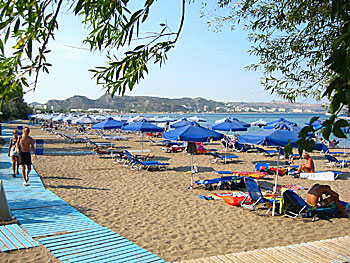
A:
[(155, 104), (136, 104)]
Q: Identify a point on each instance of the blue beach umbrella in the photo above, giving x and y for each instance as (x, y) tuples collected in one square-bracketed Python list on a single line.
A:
[(142, 126), (289, 123), (183, 122), (272, 137), (284, 126), (110, 123), (228, 125), (245, 124), (316, 124), (192, 134)]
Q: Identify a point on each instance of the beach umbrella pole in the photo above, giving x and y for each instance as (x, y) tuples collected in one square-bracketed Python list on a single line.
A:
[(141, 143), (276, 181)]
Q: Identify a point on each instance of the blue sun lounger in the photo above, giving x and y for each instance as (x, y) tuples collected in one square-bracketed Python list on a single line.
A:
[(333, 161), (137, 164), (268, 152), (326, 150), (256, 196), (215, 157), (294, 207)]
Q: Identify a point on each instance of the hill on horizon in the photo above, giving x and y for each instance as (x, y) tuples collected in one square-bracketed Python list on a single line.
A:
[(157, 104)]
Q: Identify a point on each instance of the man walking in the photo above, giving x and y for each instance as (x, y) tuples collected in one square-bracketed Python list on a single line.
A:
[(23, 145)]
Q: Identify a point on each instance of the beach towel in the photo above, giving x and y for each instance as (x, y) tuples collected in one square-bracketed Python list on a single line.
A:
[(235, 199)]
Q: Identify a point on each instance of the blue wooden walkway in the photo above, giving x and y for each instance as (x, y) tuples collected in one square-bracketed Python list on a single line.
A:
[(67, 233)]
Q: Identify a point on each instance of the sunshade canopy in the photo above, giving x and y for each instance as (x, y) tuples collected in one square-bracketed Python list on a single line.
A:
[(142, 126), (192, 134), (273, 137), (183, 122), (110, 123), (228, 125)]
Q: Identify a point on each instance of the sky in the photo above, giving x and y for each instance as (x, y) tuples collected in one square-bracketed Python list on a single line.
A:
[(203, 64)]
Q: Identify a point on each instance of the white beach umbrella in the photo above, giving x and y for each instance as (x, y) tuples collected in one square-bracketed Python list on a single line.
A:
[(196, 119), (70, 118), (59, 117), (85, 120), (259, 123), (100, 117), (138, 118), (119, 118), (49, 117)]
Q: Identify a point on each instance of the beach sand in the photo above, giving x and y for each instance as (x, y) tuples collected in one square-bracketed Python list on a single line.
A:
[(154, 210)]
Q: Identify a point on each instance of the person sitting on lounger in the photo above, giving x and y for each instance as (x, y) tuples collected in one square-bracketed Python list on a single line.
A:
[(309, 167), (314, 197)]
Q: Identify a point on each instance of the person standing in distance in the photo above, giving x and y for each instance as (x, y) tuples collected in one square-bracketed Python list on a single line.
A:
[(23, 145)]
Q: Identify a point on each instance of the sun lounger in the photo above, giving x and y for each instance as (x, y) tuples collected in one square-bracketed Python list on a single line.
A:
[(215, 157), (256, 195), (261, 166), (333, 161), (239, 147), (137, 164), (262, 151), (89, 142), (325, 150), (293, 206), (222, 183), (255, 175), (160, 142)]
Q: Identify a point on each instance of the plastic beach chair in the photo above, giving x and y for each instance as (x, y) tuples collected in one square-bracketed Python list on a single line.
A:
[(295, 207), (239, 147), (256, 196), (268, 152), (215, 157), (333, 161), (325, 150), (137, 164)]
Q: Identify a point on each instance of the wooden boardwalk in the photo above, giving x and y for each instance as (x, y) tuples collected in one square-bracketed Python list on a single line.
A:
[(324, 251), (68, 234)]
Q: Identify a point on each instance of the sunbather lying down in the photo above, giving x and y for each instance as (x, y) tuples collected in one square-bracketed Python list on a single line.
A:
[(107, 151), (173, 149), (314, 197)]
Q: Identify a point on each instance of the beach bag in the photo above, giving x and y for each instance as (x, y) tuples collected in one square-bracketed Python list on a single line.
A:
[(191, 147)]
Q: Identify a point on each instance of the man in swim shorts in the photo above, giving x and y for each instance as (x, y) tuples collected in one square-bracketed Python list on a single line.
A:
[(23, 145), (309, 167), (314, 197)]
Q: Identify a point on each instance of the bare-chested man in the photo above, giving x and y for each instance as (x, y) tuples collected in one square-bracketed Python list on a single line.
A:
[(315, 193), (24, 144)]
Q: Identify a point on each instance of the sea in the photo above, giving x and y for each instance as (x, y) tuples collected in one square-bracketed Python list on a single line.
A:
[(300, 118)]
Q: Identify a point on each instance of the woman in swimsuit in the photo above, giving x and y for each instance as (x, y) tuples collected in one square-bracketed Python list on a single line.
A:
[(13, 153)]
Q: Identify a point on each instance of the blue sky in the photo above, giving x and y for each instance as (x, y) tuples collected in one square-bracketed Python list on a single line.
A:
[(203, 63)]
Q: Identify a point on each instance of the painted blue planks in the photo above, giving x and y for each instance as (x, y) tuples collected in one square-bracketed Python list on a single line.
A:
[(42, 213), (51, 220), (97, 245), (12, 237), (33, 199)]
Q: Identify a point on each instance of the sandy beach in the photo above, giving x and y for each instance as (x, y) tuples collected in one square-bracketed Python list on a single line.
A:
[(154, 210)]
